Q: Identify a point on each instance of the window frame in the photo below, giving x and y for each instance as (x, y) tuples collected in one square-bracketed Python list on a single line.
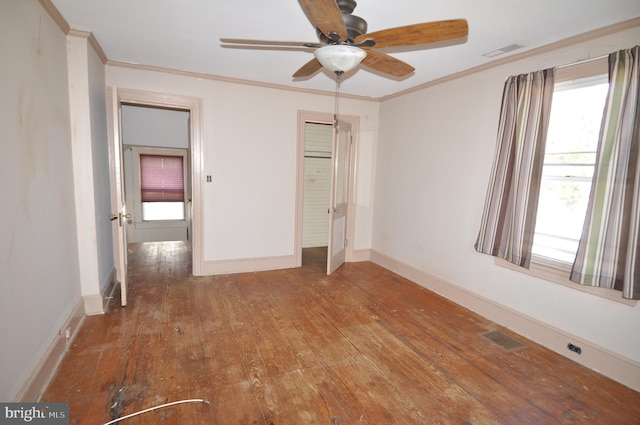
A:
[(554, 270)]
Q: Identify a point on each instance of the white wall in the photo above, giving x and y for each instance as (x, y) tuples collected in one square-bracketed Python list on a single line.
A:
[(90, 168), (100, 160), (436, 149), (250, 143), (40, 281)]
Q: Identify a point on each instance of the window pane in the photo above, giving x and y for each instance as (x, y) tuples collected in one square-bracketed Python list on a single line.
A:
[(561, 209), (161, 178), (162, 211), (574, 126)]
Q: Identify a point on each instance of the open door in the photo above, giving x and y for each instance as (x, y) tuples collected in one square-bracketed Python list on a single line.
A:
[(118, 209), (338, 207), (188, 204)]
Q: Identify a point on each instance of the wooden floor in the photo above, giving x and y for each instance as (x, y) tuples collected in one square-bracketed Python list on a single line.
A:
[(363, 346)]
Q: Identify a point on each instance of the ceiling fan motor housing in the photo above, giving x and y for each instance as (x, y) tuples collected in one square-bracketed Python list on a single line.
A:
[(356, 26)]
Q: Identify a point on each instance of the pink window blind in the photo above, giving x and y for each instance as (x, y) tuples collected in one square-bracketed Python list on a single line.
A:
[(162, 178)]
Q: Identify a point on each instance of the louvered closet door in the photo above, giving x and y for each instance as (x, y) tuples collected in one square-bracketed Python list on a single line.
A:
[(317, 184)]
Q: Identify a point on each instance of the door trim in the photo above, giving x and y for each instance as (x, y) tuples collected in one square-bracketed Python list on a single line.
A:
[(326, 118), (194, 106)]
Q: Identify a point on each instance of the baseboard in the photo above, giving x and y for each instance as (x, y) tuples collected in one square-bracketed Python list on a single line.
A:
[(93, 304), (33, 389), (359, 255), (35, 386), (245, 265), (599, 359), (97, 303), (109, 289)]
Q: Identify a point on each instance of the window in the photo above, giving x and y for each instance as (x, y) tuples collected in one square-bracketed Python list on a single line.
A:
[(577, 108), (574, 126), (162, 187)]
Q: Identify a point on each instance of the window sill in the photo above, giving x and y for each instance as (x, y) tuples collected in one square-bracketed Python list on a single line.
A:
[(558, 272), (159, 223)]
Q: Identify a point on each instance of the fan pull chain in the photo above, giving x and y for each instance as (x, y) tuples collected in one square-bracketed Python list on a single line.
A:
[(337, 97)]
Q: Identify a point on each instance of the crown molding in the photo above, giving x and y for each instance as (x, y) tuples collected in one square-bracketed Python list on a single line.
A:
[(62, 23), (580, 38), (97, 48), (93, 42), (55, 14), (234, 80)]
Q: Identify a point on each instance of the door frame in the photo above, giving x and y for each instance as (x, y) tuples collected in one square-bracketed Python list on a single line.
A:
[(194, 106), (326, 118)]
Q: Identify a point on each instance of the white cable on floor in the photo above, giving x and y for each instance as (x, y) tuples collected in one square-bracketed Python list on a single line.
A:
[(194, 400)]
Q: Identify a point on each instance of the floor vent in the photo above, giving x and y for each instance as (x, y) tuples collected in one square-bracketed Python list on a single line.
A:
[(503, 341)]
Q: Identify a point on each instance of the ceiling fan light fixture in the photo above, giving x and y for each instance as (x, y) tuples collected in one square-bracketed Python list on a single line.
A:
[(340, 57)]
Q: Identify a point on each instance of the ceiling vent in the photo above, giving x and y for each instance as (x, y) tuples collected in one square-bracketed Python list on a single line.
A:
[(503, 50)]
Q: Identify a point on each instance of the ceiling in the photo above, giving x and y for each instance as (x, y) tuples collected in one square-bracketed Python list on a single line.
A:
[(184, 35)]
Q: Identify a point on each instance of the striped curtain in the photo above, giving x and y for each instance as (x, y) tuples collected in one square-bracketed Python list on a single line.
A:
[(608, 254), (508, 221)]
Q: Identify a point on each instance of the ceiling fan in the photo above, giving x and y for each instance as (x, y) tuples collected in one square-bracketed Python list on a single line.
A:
[(344, 42)]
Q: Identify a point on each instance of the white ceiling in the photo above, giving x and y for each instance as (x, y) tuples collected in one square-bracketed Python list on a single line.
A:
[(184, 34)]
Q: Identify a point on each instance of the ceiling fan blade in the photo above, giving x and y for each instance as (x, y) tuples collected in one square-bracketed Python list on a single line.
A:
[(308, 68), (270, 42), (326, 16), (411, 35), (387, 64)]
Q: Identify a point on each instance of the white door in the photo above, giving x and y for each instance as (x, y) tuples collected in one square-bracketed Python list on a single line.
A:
[(188, 204), (339, 196), (118, 209)]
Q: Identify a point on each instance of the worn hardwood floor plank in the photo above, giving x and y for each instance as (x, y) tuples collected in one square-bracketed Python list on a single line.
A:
[(363, 346)]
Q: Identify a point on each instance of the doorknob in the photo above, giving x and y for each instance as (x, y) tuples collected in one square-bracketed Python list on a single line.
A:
[(113, 217)]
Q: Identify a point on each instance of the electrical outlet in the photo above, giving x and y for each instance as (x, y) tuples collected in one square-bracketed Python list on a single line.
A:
[(574, 348), (67, 333)]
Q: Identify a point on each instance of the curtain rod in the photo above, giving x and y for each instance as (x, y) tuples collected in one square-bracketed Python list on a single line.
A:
[(582, 61)]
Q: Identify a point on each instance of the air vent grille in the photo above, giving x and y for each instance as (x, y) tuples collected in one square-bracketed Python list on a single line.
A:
[(503, 341), (503, 50)]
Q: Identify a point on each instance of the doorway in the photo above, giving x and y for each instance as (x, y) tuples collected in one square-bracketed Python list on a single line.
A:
[(319, 150), (155, 144), (317, 192), (116, 98)]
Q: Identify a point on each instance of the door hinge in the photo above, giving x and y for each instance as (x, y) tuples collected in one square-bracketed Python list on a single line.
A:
[(346, 243), (120, 217)]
